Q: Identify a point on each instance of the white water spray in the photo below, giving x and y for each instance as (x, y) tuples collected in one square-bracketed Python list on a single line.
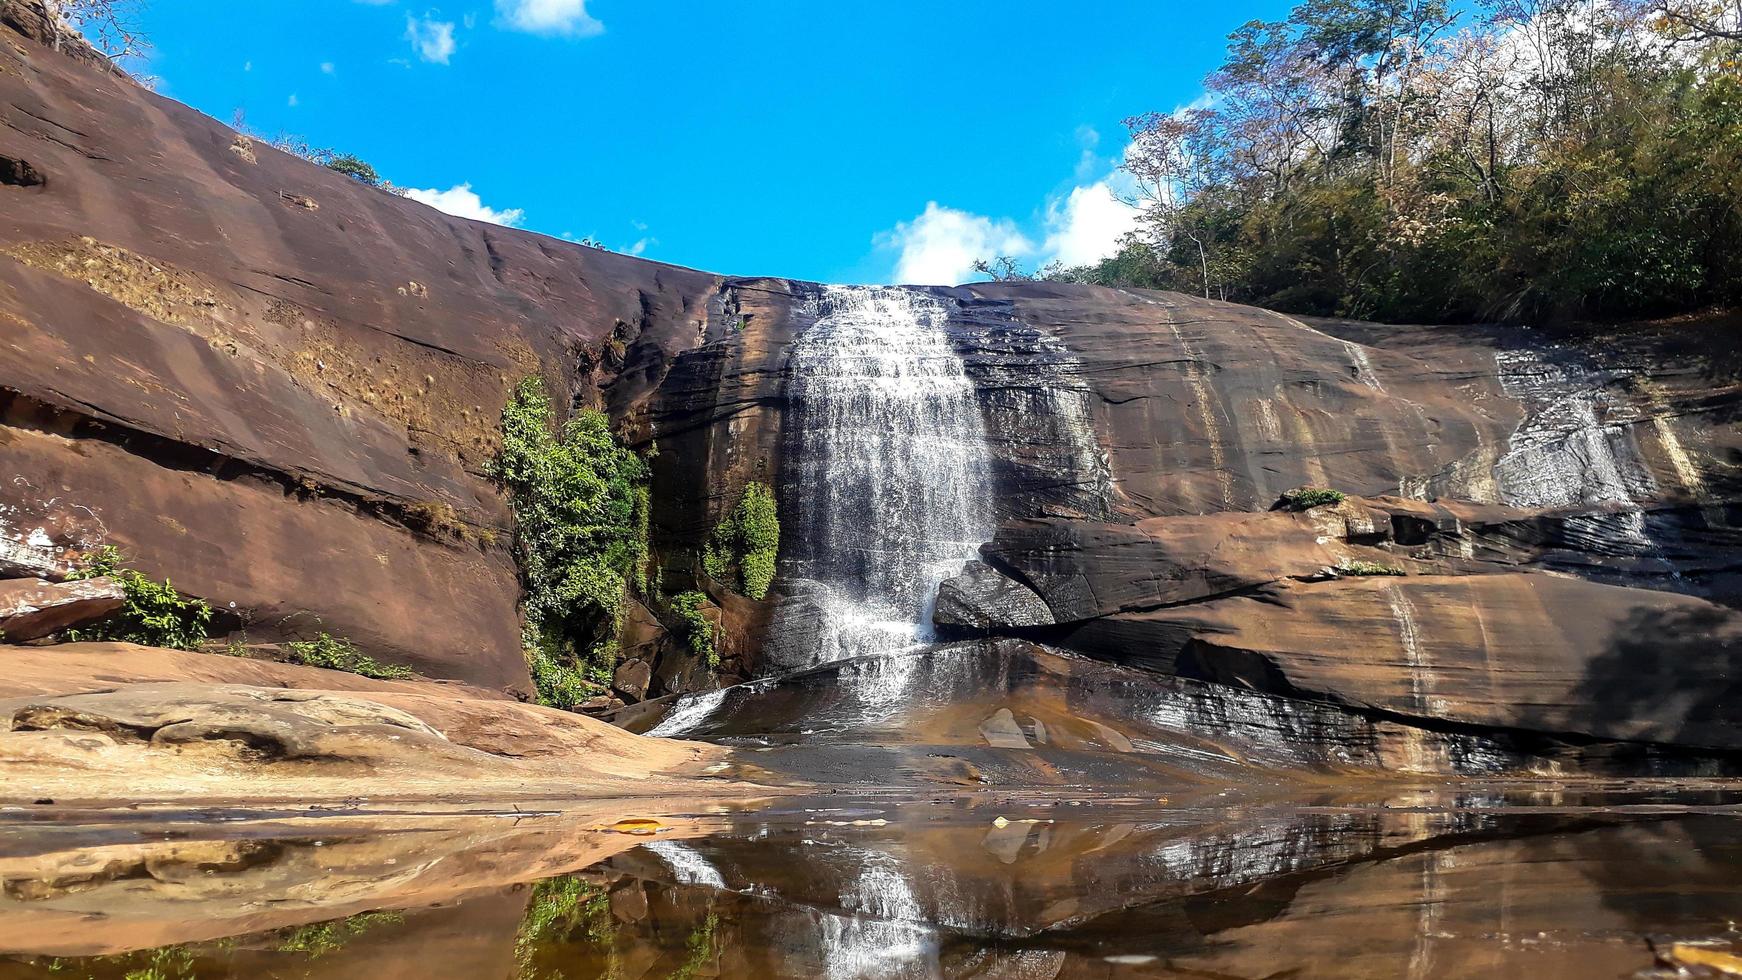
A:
[(891, 464)]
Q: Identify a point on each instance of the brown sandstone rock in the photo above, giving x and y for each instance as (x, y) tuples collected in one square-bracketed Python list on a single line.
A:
[(254, 421), (32, 608), (631, 679), (180, 741)]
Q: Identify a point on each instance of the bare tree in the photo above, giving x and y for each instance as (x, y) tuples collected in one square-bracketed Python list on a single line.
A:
[(1172, 159), (110, 26), (1001, 268), (1700, 20)]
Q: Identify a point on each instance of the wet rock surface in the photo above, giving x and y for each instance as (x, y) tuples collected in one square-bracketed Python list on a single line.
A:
[(1012, 713), (981, 598)]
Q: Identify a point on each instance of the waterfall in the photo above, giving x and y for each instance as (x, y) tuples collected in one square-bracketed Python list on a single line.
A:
[(1568, 452), (890, 466)]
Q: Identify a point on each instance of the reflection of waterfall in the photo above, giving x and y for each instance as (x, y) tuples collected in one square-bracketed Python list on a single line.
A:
[(886, 935), (889, 466), (688, 865)]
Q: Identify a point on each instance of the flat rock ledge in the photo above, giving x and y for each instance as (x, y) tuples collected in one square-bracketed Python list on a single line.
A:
[(184, 741)]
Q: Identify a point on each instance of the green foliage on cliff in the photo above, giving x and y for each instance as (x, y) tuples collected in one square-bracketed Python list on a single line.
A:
[(581, 507), (746, 543), (698, 630), (1306, 498), (332, 653), (558, 681), (152, 613), (1409, 162)]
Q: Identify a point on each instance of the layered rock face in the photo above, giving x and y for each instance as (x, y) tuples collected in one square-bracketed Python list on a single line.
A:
[(1551, 545), (279, 388), (274, 385)]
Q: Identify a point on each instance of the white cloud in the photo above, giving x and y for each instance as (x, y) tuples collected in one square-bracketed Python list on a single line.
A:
[(433, 40), (462, 202), (640, 245), (1084, 226), (291, 101), (327, 68), (549, 17), (939, 247), (1088, 161)]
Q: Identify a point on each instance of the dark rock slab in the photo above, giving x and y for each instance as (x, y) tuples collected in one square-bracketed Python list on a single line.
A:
[(1012, 711), (982, 598)]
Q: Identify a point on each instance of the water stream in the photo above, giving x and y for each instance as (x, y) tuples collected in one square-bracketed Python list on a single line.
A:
[(1420, 886)]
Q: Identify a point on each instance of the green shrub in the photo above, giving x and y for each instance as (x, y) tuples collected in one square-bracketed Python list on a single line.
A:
[(1357, 567), (1306, 498), (700, 949), (152, 613), (698, 631), (581, 510), (336, 654), (746, 541), (557, 680), (353, 167)]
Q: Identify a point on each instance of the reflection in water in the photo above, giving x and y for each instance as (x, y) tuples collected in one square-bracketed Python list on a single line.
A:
[(1054, 891)]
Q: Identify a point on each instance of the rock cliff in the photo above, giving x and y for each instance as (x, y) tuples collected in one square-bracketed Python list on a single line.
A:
[(279, 387)]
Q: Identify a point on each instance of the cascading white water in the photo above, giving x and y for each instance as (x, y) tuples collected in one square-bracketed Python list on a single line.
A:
[(891, 466)]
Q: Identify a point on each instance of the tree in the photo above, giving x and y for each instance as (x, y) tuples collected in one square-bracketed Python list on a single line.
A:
[(109, 25), (1001, 268), (1699, 20), (1383, 158), (1172, 159), (351, 166)]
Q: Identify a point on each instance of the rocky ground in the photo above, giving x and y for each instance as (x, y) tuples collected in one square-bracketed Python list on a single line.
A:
[(114, 724)]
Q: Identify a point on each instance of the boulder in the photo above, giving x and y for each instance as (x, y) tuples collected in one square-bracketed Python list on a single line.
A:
[(32, 608), (982, 598), (632, 678)]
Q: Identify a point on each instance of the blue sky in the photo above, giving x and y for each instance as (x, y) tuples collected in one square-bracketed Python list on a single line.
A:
[(842, 142)]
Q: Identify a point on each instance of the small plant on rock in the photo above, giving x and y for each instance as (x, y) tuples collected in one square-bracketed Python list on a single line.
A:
[(698, 630), (333, 653), (747, 542), (353, 167), (152, 613), (1306, 498)]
